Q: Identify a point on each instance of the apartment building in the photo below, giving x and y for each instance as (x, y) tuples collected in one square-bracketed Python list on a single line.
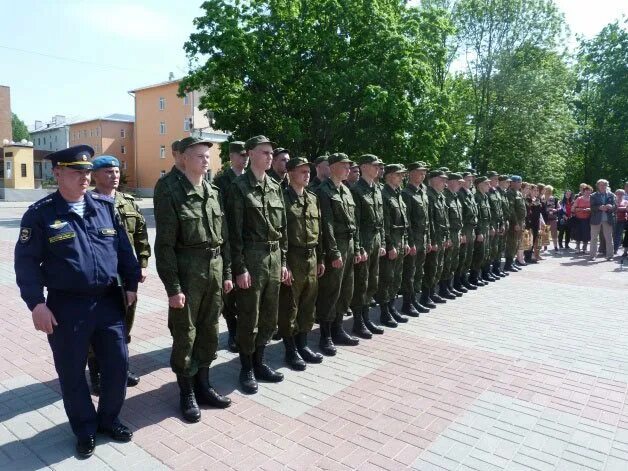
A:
[(162, 117), (51, 136), (111, 135)]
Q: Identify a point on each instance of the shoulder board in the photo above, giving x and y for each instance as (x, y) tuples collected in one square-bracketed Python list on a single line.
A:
[(128, 196), (99, 197), (42, 202), (215, 187), (311, 192)]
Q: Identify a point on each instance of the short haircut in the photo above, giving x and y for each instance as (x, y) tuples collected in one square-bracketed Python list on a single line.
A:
[(587, 187), (549, 188), (601, 180)]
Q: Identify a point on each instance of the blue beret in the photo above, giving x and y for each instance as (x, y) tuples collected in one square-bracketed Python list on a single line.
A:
[(515, 178), (77, 157), (105, 161)]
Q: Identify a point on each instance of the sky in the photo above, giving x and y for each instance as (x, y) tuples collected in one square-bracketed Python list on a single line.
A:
[(79, 58)]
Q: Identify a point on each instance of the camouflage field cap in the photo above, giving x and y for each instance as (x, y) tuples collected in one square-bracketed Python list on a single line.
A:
[(481, 179), (504, 178), (417, 166), (256, 141), (368, 159), (492, 174), (394, 168), (296, 162), (339, 158), (455, 176), (192, 141), (437, 173), (236, 147)]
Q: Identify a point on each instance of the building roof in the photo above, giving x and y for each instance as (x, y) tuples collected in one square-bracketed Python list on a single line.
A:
[(167, 82), (126, 118), (50, 127)]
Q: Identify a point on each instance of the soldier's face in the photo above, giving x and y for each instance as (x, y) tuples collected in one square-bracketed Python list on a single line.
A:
[(468, 181), (369, 171), (380, 171), (340, 170), (354, 174), (239, 161), (107, 178), (494, 182), (279, 163), (395, 179), (196, 159), (417, 177), (484, 186), (453, 185), (504, 185), (261, 157), (300, 176), (438, 183), (322, 170), (515, 185), (72, 181)]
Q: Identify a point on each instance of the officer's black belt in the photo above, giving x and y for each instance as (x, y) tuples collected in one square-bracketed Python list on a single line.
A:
[(270, 245), (97, 291)]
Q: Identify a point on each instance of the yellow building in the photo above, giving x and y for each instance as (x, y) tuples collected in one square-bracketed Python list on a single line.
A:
[(162, 117)]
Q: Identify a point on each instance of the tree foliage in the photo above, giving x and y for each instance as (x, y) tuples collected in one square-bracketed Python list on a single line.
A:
[(20, 131)]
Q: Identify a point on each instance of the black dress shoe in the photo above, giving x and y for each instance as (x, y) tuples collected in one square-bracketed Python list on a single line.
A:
[(85, 446), (119, 432), (132, 379)]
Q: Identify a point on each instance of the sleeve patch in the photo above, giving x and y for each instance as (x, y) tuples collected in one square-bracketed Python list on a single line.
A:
[(25, 234)]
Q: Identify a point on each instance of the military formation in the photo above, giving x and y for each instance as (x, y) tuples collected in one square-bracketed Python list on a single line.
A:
[(276, 244)]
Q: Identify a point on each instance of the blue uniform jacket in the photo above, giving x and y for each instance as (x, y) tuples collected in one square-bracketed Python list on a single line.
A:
[(62, 251)]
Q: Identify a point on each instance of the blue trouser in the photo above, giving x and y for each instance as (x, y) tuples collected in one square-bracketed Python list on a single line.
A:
[(85, 320)]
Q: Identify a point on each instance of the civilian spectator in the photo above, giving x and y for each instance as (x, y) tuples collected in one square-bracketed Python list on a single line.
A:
[(565, 218), (552, 208), (621, 216), (602, 218), (582, 211)]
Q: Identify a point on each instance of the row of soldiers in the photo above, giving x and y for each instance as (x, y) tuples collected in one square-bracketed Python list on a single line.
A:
[(272, 249)]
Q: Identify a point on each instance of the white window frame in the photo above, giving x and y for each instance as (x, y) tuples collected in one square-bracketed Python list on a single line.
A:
[(162, 152), (187, 124), (123, 133), (162, 128), (123, 149), (162, 103)]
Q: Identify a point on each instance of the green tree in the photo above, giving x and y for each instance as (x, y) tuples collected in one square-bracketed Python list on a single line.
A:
[(602, 106), (354, 76), (20, 131)]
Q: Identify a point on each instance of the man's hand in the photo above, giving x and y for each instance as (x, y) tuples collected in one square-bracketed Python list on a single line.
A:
[(517, 228), (479, 238), (357, 259), (43, 319), (288, 278), (492, 232), (433, 248), (227, 286), (177, 301), (382, 251), (320, 270), (392, 254), (463, 239), (407, 250), (244, 280), (413, 250), (337, 263), (448, 244), (143, 274), (365, 257), (131, 297)]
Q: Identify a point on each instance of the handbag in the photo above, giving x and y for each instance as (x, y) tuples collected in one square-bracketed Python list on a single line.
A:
[(526, 242)]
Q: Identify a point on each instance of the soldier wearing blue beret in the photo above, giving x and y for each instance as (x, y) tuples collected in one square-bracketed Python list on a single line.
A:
[(73, 244)]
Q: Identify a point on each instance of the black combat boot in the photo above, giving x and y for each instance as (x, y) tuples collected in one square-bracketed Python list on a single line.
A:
[(435, 297), (247, 378), (396, 315), (326, 343), (206, 394), (293, 359), (339, 336), (94, 375), (457, 285), (262, 371), (452, 289), (187, 400), (508, 266), (467, 283), (497, 269), (359, 328), (366, 317), (417, 305), (425, 298), (474, 279), (232, 323), (486, 276), (444, 290), (385, 318), (308, 355), (407, 307)]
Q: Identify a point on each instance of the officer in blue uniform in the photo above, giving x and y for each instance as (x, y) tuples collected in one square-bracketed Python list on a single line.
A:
[(72, 243)]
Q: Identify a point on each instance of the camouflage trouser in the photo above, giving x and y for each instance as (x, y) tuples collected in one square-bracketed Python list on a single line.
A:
[(297, 303), (258, 305), (194, 327), (466, 251), (513, 241), (229, 310), (480, 252), (495, 254), (452, 255), (335, 288), (390, 274), (366, 278), (433, 267), (501, 247), (413, 266)]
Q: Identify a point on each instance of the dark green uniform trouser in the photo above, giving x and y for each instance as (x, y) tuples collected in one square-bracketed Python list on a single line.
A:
[(335, 288), (390, 274), (194, 327), (451, 261), (466, 251), (497, 247), (433, 267), (413, 266), (513, 241), (366, 278), (297, 303), (480, 252), (229, 310), (258, 305)]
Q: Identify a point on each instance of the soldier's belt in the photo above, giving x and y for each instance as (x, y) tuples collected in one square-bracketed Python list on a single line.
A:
[(212, 252), (270, 245), (306, 251), (344, 236)]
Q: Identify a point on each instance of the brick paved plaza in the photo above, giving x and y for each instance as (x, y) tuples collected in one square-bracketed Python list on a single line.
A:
[(530, 373)]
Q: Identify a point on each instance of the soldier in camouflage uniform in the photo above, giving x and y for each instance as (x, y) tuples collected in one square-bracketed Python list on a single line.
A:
[(439, 238), (238, 161), (341, 244), (498, 219), (503, 185), (369, 217), (481, 254), (106, 176), (452, 254), (297, 295), (469, 224), (517, 222), (417, 204), (321, 166), (192, 256), (278, 171), (396, 244)]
